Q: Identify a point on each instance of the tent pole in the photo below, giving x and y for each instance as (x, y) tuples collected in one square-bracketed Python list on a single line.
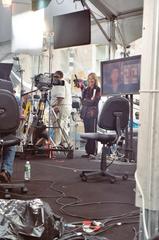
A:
[(112, 44), (147, 174), (98, 23), (121, 36)]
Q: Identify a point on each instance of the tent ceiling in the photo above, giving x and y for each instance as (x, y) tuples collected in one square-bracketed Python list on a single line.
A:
[(5, 24), (116, 8), (127, 13)]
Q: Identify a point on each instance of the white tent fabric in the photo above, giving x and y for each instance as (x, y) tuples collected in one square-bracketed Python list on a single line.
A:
[(5, 24), (27, 32), (119, 7), (131, 29), (128, 15)]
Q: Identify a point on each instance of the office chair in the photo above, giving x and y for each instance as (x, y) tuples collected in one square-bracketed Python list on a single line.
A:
[(114, 117), (9, 122)]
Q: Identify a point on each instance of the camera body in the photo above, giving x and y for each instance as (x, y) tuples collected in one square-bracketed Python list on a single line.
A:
[(46, 81)]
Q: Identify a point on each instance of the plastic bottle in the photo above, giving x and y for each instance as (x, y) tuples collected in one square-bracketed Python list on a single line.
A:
[(27, 171)]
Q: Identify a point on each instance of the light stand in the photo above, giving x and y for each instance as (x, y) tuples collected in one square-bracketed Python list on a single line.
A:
[(50, 38), (20, 70), (51, 110)]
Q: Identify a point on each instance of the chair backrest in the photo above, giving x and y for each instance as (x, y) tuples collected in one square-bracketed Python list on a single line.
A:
[(107, 117), (5, 84), (9, 112)]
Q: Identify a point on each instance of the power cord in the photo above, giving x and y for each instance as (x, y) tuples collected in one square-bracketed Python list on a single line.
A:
[(135, 234), (143, 206), (107, 222), (75, 204)]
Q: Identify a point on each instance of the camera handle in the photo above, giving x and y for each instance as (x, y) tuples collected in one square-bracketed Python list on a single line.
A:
[(24, 94)]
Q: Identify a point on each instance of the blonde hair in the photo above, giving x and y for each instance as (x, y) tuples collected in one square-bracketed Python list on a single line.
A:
[(94, 76)]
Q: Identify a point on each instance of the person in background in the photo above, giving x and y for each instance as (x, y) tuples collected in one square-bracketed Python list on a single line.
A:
[(7, 164), (89, 112), (18, 99), (62, 106)]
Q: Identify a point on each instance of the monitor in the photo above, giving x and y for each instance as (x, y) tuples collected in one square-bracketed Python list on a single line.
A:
[(121, 76), (72, 29)]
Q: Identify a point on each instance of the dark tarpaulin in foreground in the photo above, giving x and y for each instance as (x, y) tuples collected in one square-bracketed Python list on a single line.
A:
[(32, 219)]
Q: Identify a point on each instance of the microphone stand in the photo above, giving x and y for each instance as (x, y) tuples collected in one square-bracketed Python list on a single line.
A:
[(50, 45), (20, 70)]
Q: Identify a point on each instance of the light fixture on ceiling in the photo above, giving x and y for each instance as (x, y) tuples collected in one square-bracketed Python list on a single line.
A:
[(7, 3)]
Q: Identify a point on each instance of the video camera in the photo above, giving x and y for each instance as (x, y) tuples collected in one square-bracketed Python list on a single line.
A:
[(46, 81)]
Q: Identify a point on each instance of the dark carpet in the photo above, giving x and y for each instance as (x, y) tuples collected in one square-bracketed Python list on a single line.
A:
[(57, 182)]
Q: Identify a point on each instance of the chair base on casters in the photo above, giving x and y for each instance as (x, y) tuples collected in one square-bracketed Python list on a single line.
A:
[(85, 174), (107, 176), (7, 188), (104, 168)]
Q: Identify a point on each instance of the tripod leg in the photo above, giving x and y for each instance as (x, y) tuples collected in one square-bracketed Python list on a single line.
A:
[(64, 134)]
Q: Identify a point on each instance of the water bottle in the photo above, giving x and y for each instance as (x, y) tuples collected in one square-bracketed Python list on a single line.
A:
[(27, 171)]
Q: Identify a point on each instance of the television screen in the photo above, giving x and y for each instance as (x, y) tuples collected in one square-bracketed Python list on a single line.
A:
[(121, 76), (72, 29)]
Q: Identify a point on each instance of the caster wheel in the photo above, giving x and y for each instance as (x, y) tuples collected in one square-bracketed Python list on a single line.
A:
[(83, 177), (125, 177), (24, 190), (70, 154), (112, 180)]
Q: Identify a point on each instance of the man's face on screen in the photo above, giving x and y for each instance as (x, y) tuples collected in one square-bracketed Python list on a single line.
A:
[(115, 75)]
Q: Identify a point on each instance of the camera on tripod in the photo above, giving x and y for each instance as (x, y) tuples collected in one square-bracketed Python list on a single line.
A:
[(46, 81)]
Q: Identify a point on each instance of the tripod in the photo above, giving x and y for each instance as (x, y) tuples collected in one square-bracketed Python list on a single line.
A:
[(66, 149), (36, 129)]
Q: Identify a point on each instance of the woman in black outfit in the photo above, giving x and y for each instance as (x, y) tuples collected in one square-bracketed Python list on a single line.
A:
[(89, 112)]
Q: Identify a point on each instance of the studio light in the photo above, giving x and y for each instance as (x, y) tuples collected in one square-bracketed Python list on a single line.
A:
[(7, 3)]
